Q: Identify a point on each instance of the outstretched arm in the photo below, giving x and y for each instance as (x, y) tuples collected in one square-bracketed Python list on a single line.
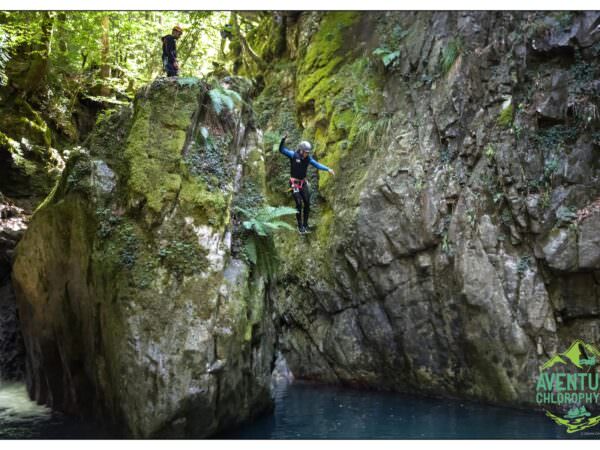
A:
[(286, 151), (319, 166)]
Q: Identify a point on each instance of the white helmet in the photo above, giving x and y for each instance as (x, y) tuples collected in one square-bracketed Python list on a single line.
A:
[(305, 146)]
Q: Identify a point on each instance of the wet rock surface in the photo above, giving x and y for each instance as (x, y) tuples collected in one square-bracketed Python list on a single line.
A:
[(13, 222)]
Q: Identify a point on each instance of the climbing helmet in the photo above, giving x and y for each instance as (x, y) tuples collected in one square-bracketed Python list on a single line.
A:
[(304, 146)]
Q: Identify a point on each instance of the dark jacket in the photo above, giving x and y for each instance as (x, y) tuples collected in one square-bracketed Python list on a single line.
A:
[(169, 49), (298, 164)]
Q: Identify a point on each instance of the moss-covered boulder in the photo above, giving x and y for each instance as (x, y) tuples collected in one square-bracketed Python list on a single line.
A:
[(132, 306)]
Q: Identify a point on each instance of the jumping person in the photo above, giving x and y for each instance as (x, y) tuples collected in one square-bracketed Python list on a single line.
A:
[(299, 161), (169, 48)]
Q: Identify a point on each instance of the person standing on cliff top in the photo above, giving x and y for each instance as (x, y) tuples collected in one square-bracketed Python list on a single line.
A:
[(169, 54), (299, 161)]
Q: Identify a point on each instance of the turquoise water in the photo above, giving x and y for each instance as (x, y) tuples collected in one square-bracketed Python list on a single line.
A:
[(309, 411)]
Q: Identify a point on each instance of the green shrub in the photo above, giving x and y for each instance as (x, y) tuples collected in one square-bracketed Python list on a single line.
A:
[(553, 137), (387, 56), (490, 152), (506, 116), (450, 54), (224, 99)]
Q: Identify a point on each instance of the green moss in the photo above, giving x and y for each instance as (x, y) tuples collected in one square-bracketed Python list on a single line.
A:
[(506, 116), (325, 226), (204, 205), (340, 125), (154, 146), (325, 53), (183, 256)]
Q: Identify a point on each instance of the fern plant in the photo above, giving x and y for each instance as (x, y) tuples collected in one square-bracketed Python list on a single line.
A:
[(223, 98), (387, 56), (260, 226), (450, 54)]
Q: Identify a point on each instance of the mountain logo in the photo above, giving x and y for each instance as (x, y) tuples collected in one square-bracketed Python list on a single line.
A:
[(568, 387)]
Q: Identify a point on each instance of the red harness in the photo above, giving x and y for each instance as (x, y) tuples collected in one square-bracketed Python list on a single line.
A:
[(297, 184)]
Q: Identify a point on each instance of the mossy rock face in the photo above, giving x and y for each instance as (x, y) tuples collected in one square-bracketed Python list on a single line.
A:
[(29, 166), (430, 267), (132, 306)]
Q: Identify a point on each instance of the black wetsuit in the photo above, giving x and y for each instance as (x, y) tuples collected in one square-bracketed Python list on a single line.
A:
[(169, 55), (301, 195)]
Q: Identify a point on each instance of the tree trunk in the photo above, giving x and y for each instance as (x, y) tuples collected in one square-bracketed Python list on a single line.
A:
[(104, 56), (37, 71), (246, 49)]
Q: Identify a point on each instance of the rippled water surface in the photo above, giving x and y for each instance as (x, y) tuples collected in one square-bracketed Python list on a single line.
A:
[(308, 411)]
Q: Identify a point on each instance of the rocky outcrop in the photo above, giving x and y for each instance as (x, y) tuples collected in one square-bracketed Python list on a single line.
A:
[(131, 302), (447, 256)]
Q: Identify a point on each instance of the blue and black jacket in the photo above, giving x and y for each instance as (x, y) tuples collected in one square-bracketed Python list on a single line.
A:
[(298, 164)]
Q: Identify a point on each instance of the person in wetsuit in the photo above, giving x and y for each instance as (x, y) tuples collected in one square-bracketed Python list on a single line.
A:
[(169, 48), (299, 161)]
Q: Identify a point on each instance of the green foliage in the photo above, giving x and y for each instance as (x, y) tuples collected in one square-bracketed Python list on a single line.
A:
[(372, 132), (129, 245), (389, 52), (450, 54), (260, 226), (506, 217), (265, 221), (582, 72), (524, 264), (582, 91), (538, 27), (564, 19), (446, 246), (556, 136), (550, 168), (224, 99), (207, 158), (398, 33), (566, 215), (506, 116), (4, 57), (79, 175), (107, 222), (445, 155), (387, 56), (119, 50), (182, 256), (490, 151), (471, 217)]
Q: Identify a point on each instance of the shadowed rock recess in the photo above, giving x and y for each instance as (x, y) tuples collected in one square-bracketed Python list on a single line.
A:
[(455, 250)]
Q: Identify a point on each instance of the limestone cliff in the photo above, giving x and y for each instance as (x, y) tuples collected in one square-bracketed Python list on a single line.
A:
[(457, 248), (132, 305)]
